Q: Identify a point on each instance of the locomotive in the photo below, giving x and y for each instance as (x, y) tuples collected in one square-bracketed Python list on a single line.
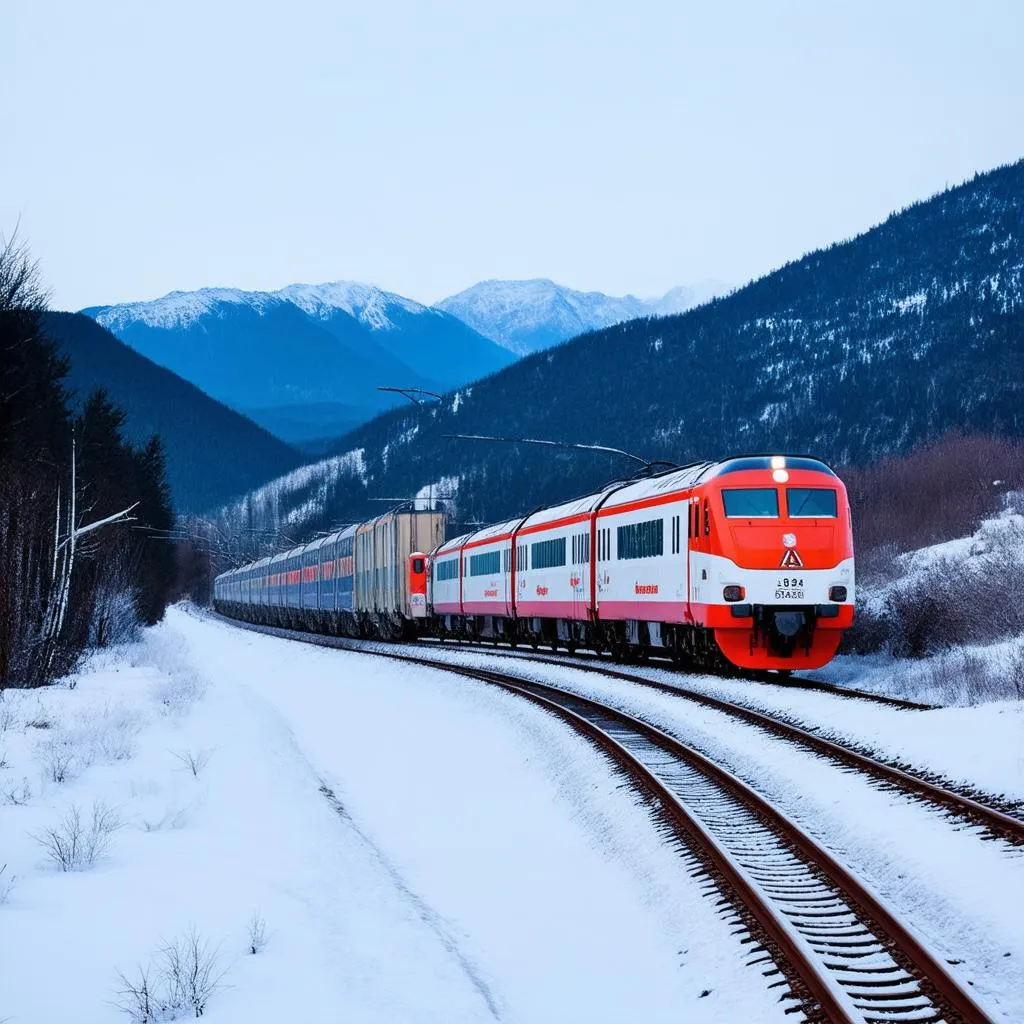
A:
[(745, 563)]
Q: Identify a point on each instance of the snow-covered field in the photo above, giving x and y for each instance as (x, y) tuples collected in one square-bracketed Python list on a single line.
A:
[(412, 846), (959, 891)]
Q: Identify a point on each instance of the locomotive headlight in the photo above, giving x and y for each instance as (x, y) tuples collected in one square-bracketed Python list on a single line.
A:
[(778, 462), (837, 594), (780, 476), (733, 593)]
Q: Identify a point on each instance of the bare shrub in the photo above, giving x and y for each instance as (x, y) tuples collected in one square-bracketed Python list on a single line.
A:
[(17, 796), (136, 999), (58, 758), (186, 974), (75, 844), (194, 761), (257, 933), (6, 884), (7, 719), (938, 492), (39, 723), (871, 632), (107, 735), (963, 676), (180, 691), (951, 604)]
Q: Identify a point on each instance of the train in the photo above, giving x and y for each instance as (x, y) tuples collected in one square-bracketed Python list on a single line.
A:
[(746, 563)]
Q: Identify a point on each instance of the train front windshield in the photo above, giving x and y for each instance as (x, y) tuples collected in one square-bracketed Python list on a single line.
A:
[(751, 503)]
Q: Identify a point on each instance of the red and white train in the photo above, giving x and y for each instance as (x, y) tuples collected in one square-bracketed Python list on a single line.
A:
[(746, 562)]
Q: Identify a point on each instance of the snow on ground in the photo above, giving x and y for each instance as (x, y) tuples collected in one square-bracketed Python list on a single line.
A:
[(421, 847), (965, 676), (959, 892), (991, 668), (980, 747)]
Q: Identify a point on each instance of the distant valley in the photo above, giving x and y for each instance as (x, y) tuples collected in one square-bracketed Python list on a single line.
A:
[(306, 362)]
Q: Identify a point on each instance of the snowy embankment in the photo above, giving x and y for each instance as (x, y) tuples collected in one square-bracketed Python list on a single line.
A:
[(412, 847), (954, 606)]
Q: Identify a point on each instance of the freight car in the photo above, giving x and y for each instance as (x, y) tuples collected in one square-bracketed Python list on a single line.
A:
[(746, 562)]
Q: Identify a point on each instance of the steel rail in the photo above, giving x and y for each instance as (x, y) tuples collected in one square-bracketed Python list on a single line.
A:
[(789, 682)]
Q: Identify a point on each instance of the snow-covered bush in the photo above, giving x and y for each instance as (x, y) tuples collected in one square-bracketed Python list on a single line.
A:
[(7, 881), (181, 685), (257, 933), (185, 975), (940, 491), (947, 596), (194, 760), (76, 843), (172, 818), (58, 758), (17, 794)]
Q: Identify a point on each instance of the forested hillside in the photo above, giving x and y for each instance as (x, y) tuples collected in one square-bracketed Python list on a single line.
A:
[(864, 349), (213, 453)]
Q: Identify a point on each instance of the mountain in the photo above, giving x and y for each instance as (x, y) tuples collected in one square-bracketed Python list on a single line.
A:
[(306, 360), (867, 348), (434, 344), (213, 453), (527, 316)]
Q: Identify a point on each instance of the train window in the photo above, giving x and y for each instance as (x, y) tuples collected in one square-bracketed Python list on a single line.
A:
[(522, 557), (750, 503), (447, 570), (486, 564), (417, 565), (811, 502), (707, 518), (641, 540), (547, 554)]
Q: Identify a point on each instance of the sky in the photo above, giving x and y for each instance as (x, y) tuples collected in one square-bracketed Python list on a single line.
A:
[(424, 146)]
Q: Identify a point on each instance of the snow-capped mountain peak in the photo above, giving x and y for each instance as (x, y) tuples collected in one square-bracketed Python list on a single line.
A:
[(367, 303), (179, 309), (526, 316)]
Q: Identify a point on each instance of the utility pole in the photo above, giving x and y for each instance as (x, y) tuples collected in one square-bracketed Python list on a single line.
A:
[(411, 393)]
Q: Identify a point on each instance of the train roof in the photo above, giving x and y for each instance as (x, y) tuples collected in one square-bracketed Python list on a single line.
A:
[(663, 483), (451, 545), (494, 530), (743, 462), (577, 506)]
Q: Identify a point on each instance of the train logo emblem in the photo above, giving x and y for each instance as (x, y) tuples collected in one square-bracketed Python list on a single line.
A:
[(791, 560), (789, 540)]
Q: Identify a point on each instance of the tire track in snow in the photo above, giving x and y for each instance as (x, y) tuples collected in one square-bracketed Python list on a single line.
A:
[(430, 917)]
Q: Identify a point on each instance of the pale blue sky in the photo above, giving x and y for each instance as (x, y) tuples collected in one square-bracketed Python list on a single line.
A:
[(148, 146)]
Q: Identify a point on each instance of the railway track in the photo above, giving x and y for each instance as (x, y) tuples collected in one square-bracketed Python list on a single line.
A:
[(846, 957), (938, 793), (772, 678)]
